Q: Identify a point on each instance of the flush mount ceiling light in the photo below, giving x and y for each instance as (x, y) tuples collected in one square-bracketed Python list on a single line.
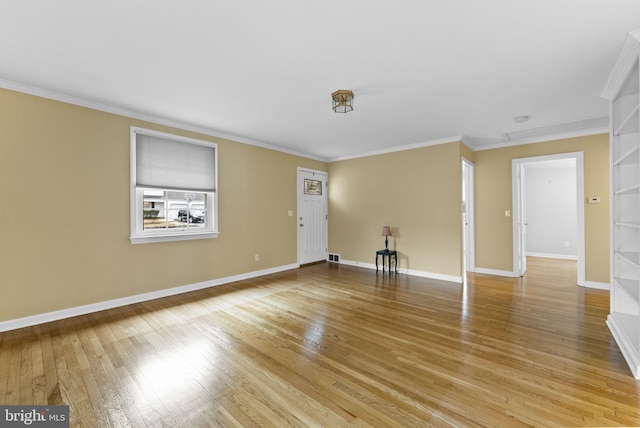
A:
[(521, 119), (342, 101)]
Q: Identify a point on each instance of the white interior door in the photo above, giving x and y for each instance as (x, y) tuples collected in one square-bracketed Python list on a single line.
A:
[(312, 216), (468, 227), (522, 221)]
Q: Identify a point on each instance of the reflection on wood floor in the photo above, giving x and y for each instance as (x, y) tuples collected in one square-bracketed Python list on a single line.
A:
[(329, 345)]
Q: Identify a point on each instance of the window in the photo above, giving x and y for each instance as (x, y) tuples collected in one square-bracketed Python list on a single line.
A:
[(173, 187), (312, 187)]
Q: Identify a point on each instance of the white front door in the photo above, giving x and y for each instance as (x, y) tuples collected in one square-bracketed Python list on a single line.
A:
[(312, 216)]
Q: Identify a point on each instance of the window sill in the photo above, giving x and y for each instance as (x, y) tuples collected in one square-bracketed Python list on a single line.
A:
[(173, 237)]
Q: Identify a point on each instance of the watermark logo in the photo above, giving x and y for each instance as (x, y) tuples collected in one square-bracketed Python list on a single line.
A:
[(34, 416)]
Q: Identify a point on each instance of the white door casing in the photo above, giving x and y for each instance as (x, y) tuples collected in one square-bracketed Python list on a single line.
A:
[(519, 248), (312, 216), (468, 219), (521, 221)]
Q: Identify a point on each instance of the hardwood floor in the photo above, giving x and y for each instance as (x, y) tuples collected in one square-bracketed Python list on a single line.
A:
[(331, 346)]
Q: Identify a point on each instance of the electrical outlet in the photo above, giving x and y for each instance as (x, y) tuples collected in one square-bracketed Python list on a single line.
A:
[(257, 257)]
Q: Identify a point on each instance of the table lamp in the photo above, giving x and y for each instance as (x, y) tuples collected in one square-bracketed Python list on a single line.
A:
[(386, 232)]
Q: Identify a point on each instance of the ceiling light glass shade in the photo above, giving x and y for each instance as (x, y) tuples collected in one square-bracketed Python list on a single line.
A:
[(342, 100)]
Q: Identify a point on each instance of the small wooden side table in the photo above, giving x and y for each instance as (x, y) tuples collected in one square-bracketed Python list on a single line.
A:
[(387, 254)]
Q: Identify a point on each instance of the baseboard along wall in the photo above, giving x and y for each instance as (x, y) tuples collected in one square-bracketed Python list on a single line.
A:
[(115, 303)]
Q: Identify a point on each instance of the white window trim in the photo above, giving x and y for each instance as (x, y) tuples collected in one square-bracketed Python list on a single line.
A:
[(140, 236)]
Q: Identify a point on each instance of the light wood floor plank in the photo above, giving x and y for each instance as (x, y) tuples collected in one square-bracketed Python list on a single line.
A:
[(336, 346)]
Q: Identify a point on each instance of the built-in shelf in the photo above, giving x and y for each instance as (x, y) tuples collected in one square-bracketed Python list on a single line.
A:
[(623, 92), (629, 190), (631, 257), (628, 157), (631, 287), (628, 224), (631, 116)]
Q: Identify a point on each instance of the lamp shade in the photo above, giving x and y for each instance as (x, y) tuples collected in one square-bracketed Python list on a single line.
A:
[(386, 231)]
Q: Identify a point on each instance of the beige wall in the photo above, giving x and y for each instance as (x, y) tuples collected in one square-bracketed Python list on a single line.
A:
[(494, 233), (416, 192), (64, 181)]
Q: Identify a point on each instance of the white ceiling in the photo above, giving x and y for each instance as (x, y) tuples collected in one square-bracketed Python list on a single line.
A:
[(262, 71)]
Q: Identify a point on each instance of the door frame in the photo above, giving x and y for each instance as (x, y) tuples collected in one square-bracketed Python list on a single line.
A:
[(468, 233), (299, 170), (517, 197), (520, 221)]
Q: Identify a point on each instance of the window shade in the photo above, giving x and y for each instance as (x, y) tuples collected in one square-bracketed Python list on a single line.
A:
[(174, 164)]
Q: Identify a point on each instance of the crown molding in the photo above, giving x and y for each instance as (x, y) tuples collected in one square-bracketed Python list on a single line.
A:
[(542, 139), (159, 120), (627, 58), (454, 139)]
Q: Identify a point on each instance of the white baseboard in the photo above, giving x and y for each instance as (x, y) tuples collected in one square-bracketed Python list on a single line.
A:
[(357, 264), (496, 272), (586, 284), (423, 274), (553, 256), (432, 275), (115, 303), (598, 285), (629, 352)]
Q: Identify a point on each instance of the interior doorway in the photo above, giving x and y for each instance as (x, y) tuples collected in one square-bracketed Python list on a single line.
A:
[(468, 221), (521, 226)]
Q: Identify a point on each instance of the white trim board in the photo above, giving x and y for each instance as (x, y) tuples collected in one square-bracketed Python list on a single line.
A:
[(506, 273), (159, 120), (544, 138), (597, 285), (469, 229), (552, 256), (423, 274), (115, 303), (625, 344), (453, 139), (627, 58), (496, 272)]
